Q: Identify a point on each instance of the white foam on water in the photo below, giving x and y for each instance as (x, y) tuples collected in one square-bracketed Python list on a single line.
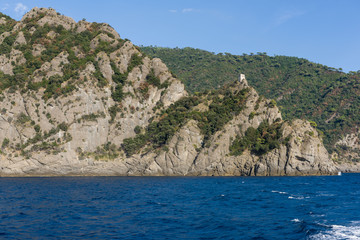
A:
[(340, 232), (295, 220), (296, 197), (316, 215), (279, 192)]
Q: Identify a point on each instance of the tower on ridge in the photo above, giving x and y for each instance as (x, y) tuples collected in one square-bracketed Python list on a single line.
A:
[(241, 77)]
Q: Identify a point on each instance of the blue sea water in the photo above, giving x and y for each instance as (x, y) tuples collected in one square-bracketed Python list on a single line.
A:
[(324, 207)]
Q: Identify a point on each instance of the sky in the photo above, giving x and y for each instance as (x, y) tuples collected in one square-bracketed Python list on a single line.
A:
[(322, 31)]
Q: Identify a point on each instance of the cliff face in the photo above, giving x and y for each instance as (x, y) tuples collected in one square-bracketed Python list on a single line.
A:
[(76, 99), (301, 88), (302, 154), (347, 157)]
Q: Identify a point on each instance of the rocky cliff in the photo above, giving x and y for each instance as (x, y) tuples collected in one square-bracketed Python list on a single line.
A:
[(301, 88), (347, 156), (77, 99)]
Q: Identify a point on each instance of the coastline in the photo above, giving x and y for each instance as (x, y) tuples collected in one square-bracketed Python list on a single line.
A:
[(158, 175)]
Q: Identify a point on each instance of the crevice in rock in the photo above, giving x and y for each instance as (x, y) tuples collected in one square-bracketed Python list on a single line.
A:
[(194, 161), (302, 159), (287, 158), (25, 106)]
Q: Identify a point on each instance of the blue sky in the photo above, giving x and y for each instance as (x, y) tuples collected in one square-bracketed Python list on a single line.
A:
[(323, 31)]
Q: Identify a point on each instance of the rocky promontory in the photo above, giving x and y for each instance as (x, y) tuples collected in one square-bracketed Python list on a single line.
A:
[(77, 99)]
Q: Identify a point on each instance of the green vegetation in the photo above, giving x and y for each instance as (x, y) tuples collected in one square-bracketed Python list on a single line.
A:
[(5, 143), (151, 79), (37, 128), (135, 61), (53, 87), (224, 104), (9, 23), (113, 110), (118, 77), (41, 140), (105, 152), (155, 81), (137, 129), (302, 89), (5, 47), (65, 40), (23, 118), (259, 141), (117, 94), (92, 117), (71, 42), (63, 126)]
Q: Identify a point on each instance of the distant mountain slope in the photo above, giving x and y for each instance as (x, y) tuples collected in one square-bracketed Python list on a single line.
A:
[(302, 89)]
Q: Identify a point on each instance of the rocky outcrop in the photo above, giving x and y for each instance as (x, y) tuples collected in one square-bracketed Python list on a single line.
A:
[(20, 39), (70, 113), (303, 154), (349, 149), (180, 154), (184, 155), (7, 63), (50, 17), (350, 140)]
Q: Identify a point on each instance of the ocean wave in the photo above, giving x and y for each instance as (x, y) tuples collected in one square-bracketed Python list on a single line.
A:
[(279, 192), (296, 197), (339, 232)]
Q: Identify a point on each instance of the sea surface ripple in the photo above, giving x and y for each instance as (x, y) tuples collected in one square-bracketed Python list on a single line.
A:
[(324, 207)]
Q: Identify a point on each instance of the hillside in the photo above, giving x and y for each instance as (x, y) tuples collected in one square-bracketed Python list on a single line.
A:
[(77, 99), (302, 89)]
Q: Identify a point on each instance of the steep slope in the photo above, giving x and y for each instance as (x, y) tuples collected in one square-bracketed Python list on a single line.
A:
[(230, 132), (76, 99), (71, 89), (303, 89)]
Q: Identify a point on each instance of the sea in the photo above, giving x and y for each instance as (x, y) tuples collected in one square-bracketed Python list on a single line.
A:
[(321, 207)]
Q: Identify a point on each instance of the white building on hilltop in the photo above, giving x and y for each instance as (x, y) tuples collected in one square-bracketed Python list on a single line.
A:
[(241, 77)]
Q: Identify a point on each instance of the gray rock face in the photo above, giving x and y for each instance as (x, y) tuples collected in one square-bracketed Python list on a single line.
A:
[(7, 64), (184, 154), (38, 49), (122, 56), (81, 132), (304, 154), (51, 17), (3, 21), (349, 147), (181, 153), (3, 36), (20, 39)]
